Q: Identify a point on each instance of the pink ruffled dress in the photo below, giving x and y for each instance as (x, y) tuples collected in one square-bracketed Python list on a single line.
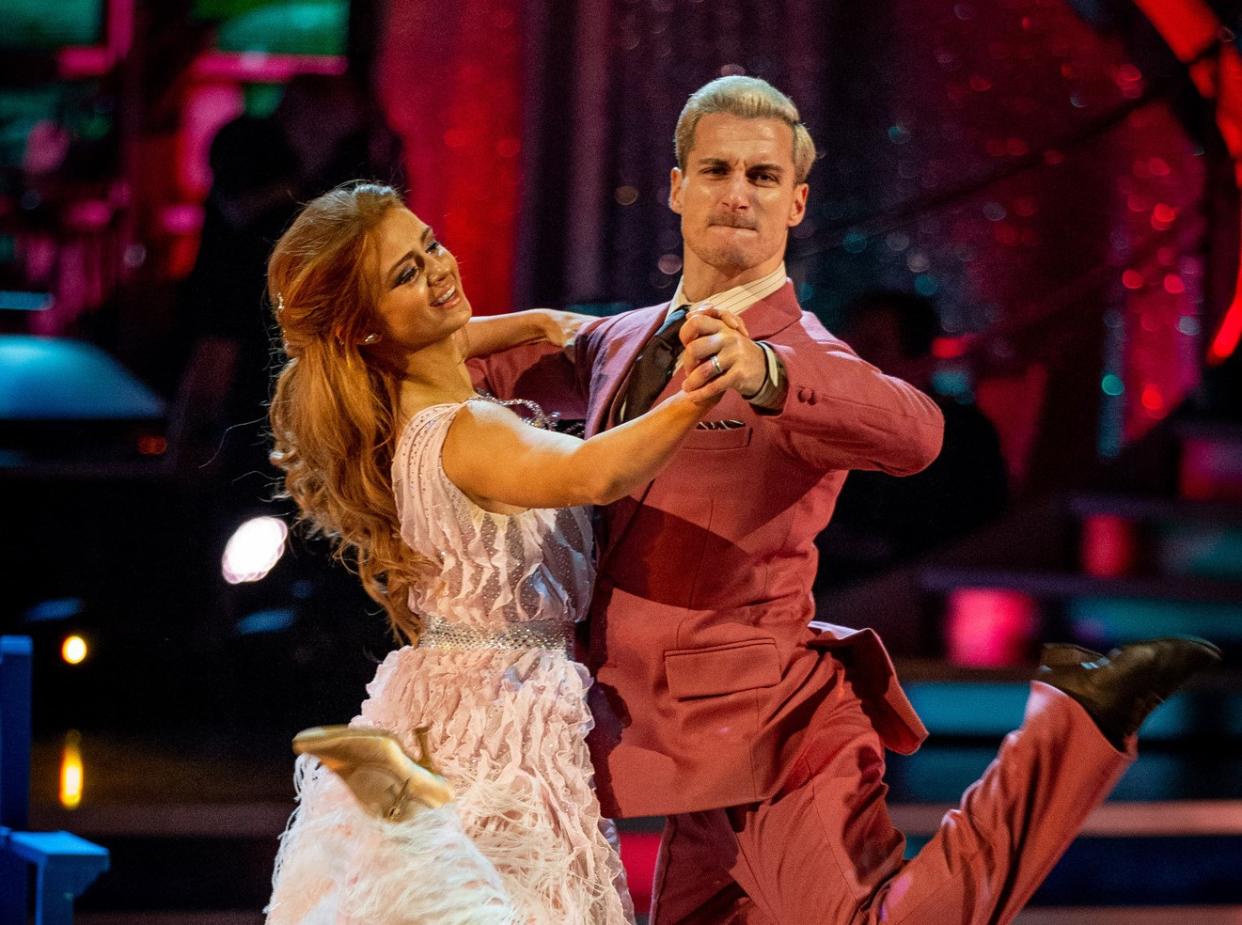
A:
[(524, 842)]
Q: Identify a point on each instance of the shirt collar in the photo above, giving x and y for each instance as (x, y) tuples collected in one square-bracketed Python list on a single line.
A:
[(739, 298)]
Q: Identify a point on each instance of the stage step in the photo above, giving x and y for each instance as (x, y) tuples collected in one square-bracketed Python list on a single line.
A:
[(1210, 468), (1102, 612), (1070, 585), (1145, 508), (1163, 819), (1132, 915), (1082, 915), (1123, 534), (993, 707), (1167, 915), (942, 769), (1195, 848), (175, 864)]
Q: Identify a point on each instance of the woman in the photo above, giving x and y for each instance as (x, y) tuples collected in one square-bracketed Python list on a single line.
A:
[(467, 524)]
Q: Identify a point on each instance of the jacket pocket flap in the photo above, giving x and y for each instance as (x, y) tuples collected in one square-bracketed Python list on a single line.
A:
[(727, 669)]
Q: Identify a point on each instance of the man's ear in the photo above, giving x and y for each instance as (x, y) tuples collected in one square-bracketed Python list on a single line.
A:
[(674, 190), (797, 209)]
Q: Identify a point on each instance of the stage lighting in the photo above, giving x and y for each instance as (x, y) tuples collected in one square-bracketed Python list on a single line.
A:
[(253, 549), (74, 650), (71, 772)]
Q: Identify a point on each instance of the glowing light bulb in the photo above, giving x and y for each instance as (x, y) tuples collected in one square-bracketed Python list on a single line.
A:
[(74, 650), (71, 771)]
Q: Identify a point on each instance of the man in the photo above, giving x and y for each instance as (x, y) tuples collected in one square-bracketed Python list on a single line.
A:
[(760, 737)]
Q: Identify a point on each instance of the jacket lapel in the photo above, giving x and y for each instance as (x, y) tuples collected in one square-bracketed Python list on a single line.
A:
[(614, 372), (764, 319), (773, 314)]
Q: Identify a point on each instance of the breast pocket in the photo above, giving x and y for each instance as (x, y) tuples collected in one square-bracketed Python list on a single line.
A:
[(718, 438)]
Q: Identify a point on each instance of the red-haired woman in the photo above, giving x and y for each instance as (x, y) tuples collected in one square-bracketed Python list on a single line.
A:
[(469, 526)]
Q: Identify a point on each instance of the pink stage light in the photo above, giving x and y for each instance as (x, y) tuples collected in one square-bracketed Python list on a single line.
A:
[(1109, 546), (990, 627), (261, 67)]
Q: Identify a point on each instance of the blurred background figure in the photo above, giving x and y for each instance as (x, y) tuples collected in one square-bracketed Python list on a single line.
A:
[(263, 168), (881, 521)]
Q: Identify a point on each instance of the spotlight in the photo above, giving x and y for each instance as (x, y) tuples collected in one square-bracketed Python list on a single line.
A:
[(73, 650), (253, 549)]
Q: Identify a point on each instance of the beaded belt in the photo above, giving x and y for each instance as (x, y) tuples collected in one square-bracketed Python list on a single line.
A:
[(534, 634)]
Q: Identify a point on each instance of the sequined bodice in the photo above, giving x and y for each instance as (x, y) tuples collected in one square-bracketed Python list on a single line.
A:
[(495, 570)]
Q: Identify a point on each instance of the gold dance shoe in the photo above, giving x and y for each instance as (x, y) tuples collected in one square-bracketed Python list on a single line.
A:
[(382, 777)]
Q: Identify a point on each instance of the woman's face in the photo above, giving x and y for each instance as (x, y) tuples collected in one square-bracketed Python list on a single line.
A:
[(421, 299)]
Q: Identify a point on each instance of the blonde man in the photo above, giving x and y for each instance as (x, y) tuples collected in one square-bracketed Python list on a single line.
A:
[(718, 703)]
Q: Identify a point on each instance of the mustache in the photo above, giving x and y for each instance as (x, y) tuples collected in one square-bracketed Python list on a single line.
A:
[(733, 220)]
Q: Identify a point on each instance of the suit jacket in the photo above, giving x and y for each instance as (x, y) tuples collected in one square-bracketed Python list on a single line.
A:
[(709, 676)]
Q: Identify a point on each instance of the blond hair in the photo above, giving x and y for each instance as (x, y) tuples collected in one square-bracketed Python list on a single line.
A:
[(333, 414), (746, 98)]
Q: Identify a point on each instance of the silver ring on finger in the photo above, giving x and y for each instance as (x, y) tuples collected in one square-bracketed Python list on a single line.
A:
[(716, 364)]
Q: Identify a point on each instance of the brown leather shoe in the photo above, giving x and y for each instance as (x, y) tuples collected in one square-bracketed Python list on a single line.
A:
[(1120, 689)]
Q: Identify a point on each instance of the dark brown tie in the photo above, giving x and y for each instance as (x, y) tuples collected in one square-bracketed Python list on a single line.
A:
[(653, 367)]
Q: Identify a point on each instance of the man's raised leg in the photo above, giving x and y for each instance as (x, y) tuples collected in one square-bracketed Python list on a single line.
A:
[(826, 851)]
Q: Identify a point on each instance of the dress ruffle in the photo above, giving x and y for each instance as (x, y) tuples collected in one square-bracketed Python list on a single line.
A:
[(339, 866), (508, 732)]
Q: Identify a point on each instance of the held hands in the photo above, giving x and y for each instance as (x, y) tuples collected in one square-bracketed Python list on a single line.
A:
[(720, 355)]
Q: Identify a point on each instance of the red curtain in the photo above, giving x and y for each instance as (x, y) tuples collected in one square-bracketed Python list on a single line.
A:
[(450, 79)]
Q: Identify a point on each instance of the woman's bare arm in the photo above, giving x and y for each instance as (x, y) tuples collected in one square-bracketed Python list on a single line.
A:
[(494, 457), (491, 333)]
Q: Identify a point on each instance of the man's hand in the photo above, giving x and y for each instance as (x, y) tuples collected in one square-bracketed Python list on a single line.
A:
[(739, 363)]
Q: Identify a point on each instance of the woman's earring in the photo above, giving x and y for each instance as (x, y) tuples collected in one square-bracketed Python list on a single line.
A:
[(370, 339)]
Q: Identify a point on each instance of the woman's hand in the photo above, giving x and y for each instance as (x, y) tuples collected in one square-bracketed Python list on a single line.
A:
[(560, 327), (490, 333)]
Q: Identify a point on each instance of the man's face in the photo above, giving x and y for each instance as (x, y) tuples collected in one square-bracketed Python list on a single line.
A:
[(738, 197)]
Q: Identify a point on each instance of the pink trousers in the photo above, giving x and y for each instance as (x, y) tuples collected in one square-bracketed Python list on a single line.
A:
[(825, 851)]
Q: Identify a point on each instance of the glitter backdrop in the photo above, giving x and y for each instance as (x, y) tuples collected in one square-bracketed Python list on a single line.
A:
[(1045, 177)]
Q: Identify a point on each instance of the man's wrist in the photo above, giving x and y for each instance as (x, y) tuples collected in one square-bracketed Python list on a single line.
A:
[(757, 389), (771, 394)]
